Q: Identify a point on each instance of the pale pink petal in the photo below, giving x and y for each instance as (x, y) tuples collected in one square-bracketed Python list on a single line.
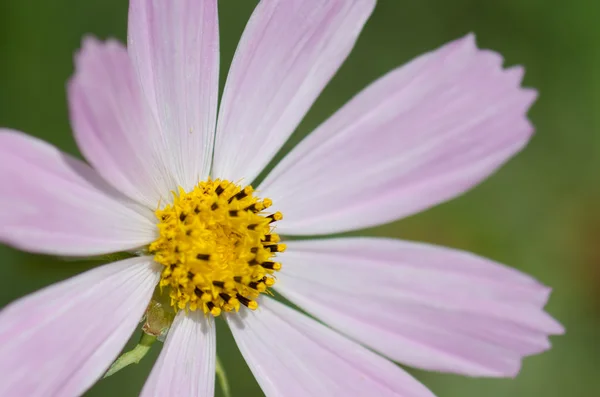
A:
[(60, 340), (287, 54), (421, 135), (174, 46), (422, 305), (292, 355), (52, 203), (186, 366), (113, 125)]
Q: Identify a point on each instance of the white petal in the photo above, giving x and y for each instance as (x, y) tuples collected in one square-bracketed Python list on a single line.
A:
[(113, 125), (60, 340), (53, 203), (186, 366), (418, 136), (425, 306), (292, 355), (174, 46), (288, 53)]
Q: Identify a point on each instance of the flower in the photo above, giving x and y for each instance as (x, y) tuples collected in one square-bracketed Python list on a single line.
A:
[(164, 185)]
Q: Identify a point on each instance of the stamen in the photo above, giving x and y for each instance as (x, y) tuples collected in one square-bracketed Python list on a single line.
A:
[(244, 193), (271, 265), (275, 217), (247, 302), (271, 238), (260, 287), (276, 247), (216, 248), (225, 297)]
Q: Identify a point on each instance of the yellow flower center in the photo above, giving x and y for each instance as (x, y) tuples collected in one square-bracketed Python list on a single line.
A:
[(217, 247)]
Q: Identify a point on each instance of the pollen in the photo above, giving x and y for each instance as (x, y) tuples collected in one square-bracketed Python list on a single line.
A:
[(218, 248)]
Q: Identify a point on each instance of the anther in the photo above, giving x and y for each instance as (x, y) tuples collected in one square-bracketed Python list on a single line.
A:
[(260, 287), (233, 213), (215, 311), (268, 265), (219, 190), (219, 284), (225, 297), (271, 265), (254, 208), (214, 206), (182, 216), (252, 305), (203, 257), (252, 226), (253, 262), (243, 300), (269, 282), (242, 194), (254, 250), (275, 217), (276, 247), (247, 302)]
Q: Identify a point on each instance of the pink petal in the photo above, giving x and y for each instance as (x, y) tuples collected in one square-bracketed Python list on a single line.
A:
[(294, 356), (287, 54), (114, 126), (60, 340), (52, 203), (186, 366), (174, 46), (426, 306), (419, 136)]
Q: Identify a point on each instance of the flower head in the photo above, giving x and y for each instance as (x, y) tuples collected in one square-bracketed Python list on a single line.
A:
[(217, 246), (171, 182)]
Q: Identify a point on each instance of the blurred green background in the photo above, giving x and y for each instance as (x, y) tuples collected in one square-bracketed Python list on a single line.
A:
[(540, 213)]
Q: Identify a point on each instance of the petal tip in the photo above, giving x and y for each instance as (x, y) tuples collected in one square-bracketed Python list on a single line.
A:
[(471, 37), (89, 43), (556, 328)]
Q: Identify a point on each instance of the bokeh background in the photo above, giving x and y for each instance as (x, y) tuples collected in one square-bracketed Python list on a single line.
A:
[(540, 213)]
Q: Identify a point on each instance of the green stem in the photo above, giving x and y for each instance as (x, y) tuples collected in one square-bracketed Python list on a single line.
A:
[(133, 356)]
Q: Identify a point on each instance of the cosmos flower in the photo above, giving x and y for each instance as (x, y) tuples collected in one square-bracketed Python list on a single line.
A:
[(171, 182)]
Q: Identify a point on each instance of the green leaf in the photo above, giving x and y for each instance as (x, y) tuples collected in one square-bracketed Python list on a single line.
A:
[(222, 377)]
